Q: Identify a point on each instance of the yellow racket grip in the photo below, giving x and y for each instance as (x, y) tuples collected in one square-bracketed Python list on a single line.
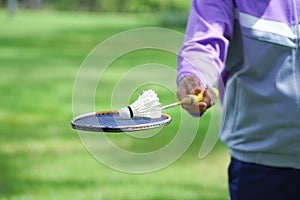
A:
[(216, 91), (192, 98)]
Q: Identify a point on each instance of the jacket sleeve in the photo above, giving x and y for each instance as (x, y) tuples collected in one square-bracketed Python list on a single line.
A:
[(209, 28)]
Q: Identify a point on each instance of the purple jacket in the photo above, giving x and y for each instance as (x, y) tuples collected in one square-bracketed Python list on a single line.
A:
[(252, 49)]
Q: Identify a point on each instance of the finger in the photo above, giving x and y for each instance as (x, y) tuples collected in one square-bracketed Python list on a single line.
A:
[(202, 106), (188, 85), (197, 90), (191, 83), (206, 101), (191, 109), (181, 91), (209, 99), (192, 86)]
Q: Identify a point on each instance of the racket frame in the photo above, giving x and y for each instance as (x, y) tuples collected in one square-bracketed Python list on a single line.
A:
[(115, 129)]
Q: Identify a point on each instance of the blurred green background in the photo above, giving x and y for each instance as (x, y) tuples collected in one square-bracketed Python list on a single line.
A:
[(42, 45)]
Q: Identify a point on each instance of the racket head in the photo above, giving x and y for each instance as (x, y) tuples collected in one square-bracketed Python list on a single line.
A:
[(110, 121)]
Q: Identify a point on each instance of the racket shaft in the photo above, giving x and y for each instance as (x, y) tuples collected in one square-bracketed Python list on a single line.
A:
[(188, 100), (171, 105)]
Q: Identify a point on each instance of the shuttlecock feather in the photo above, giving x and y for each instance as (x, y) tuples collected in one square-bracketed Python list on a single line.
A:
[(147, 105)]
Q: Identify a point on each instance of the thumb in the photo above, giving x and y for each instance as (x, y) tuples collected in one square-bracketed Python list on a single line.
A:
[(197, 90)]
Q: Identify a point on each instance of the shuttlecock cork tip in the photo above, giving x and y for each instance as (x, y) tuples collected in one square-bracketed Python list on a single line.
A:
[(126, 112)]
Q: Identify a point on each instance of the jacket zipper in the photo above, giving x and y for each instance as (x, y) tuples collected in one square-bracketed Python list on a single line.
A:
[(296, 54), (296, 15)]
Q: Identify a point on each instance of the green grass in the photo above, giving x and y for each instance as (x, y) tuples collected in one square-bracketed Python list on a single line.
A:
[(41, 157)]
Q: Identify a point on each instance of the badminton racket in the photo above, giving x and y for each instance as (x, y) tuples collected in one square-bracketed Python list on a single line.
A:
[(111, 121)]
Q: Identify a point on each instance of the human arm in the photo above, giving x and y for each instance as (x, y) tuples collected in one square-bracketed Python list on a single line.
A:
[(203, 53)]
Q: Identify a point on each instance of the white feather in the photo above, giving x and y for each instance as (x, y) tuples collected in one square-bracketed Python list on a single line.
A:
[(147, 105)]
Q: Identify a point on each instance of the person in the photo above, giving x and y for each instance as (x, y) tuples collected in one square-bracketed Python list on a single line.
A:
[(251, 49)]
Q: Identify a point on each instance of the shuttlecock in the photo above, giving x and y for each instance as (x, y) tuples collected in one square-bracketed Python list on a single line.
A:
[(147, 105)]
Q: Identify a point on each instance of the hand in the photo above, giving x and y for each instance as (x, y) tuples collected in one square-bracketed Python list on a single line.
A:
[(191, 85)]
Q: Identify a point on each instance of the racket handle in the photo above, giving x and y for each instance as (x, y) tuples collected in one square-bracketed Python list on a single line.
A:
[(192, 99)]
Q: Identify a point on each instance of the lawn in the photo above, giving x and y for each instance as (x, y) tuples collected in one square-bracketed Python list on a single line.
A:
[(41, 157)]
